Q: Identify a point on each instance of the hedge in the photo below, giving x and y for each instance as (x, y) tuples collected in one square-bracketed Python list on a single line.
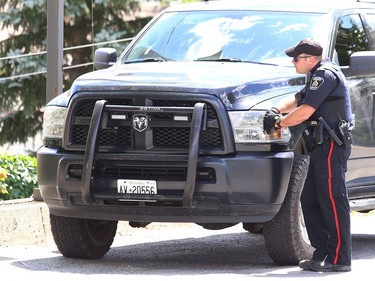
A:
[(18, 176)]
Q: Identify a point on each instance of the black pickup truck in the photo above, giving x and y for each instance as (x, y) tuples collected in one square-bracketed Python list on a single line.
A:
[(171, 130)]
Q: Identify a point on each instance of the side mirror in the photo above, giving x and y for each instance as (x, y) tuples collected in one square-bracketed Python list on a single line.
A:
[(104, 57), (360, 64)]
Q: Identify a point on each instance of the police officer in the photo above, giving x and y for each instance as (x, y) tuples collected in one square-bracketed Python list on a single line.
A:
[(324, 198)]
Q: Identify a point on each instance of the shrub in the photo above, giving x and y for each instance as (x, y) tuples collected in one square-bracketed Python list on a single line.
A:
[(18, 176), (3, 185)]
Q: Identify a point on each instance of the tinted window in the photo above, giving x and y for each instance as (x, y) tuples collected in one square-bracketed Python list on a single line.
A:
[(351, 38)]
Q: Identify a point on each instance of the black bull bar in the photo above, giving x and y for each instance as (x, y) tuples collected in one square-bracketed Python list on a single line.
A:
[(198, 123)]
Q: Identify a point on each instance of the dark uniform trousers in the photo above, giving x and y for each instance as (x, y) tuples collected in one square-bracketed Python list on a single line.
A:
[(325, 204)]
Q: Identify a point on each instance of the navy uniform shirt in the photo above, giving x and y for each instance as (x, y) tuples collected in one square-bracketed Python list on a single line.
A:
[(327, 92)]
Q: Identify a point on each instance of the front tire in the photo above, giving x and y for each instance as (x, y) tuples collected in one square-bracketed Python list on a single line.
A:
[(82, 238), (285, 236)]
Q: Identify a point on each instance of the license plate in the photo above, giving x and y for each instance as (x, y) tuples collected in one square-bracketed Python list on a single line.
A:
[(136, 186)]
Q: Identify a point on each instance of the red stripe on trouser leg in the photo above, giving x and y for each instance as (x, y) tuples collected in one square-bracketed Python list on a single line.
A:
[(333, 201)]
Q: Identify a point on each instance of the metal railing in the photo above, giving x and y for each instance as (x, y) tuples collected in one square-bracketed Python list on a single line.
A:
[(44, 71)]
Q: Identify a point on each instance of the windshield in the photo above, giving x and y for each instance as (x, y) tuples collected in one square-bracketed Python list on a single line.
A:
[(248, 36)]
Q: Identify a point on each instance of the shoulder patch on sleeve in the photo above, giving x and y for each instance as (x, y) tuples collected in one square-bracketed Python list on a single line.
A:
[(316, 82)]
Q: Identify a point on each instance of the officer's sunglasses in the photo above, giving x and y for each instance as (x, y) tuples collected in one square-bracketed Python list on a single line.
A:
[(300, 57)]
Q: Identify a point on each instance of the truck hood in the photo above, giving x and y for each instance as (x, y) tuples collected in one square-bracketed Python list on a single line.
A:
[(240, 85)]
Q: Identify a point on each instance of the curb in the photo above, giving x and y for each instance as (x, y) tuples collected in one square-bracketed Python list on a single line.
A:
[(24, 222)]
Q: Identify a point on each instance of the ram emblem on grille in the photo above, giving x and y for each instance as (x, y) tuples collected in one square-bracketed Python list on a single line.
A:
[(140, 122)]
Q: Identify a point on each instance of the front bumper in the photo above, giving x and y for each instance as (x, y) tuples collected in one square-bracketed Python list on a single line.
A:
[(248, 187)]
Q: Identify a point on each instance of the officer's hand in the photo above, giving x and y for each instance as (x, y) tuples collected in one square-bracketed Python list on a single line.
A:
[(269, 120)]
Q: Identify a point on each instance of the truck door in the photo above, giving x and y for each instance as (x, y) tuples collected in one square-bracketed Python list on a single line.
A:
[(352, 37)]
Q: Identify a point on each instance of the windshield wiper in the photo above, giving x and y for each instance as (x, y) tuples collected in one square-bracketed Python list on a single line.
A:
[(221, 59), (229, 59), (157, 59), (263, 63)]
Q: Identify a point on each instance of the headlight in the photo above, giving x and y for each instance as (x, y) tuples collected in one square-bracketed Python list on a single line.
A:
[(248, 128), (53, 125)]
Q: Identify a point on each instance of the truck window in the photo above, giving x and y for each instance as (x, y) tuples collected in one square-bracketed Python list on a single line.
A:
[(370, 20), (351, 38)]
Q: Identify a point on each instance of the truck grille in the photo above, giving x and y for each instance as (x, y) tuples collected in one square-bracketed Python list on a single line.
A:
[(166, 130), (142, 172)]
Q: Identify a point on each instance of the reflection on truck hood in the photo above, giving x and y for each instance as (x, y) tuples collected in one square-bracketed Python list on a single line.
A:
[(231, 81)]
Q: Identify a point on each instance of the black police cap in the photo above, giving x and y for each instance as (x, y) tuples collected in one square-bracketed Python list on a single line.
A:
[(305, 46)]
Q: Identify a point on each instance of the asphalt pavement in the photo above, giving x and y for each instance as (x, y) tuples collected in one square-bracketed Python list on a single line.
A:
[(164, 252)]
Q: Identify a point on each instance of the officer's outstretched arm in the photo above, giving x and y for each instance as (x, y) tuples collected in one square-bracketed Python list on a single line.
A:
[(297, 115), (287, 104)]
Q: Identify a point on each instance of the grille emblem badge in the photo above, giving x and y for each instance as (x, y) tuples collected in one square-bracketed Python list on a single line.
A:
[(140, 122)]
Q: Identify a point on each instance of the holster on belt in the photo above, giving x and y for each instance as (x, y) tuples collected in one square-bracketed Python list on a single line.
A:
[(308, 137), (317, 132), (318, 135)]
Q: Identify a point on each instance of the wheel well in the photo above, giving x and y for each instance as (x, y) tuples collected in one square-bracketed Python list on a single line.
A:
[(300, 147)]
